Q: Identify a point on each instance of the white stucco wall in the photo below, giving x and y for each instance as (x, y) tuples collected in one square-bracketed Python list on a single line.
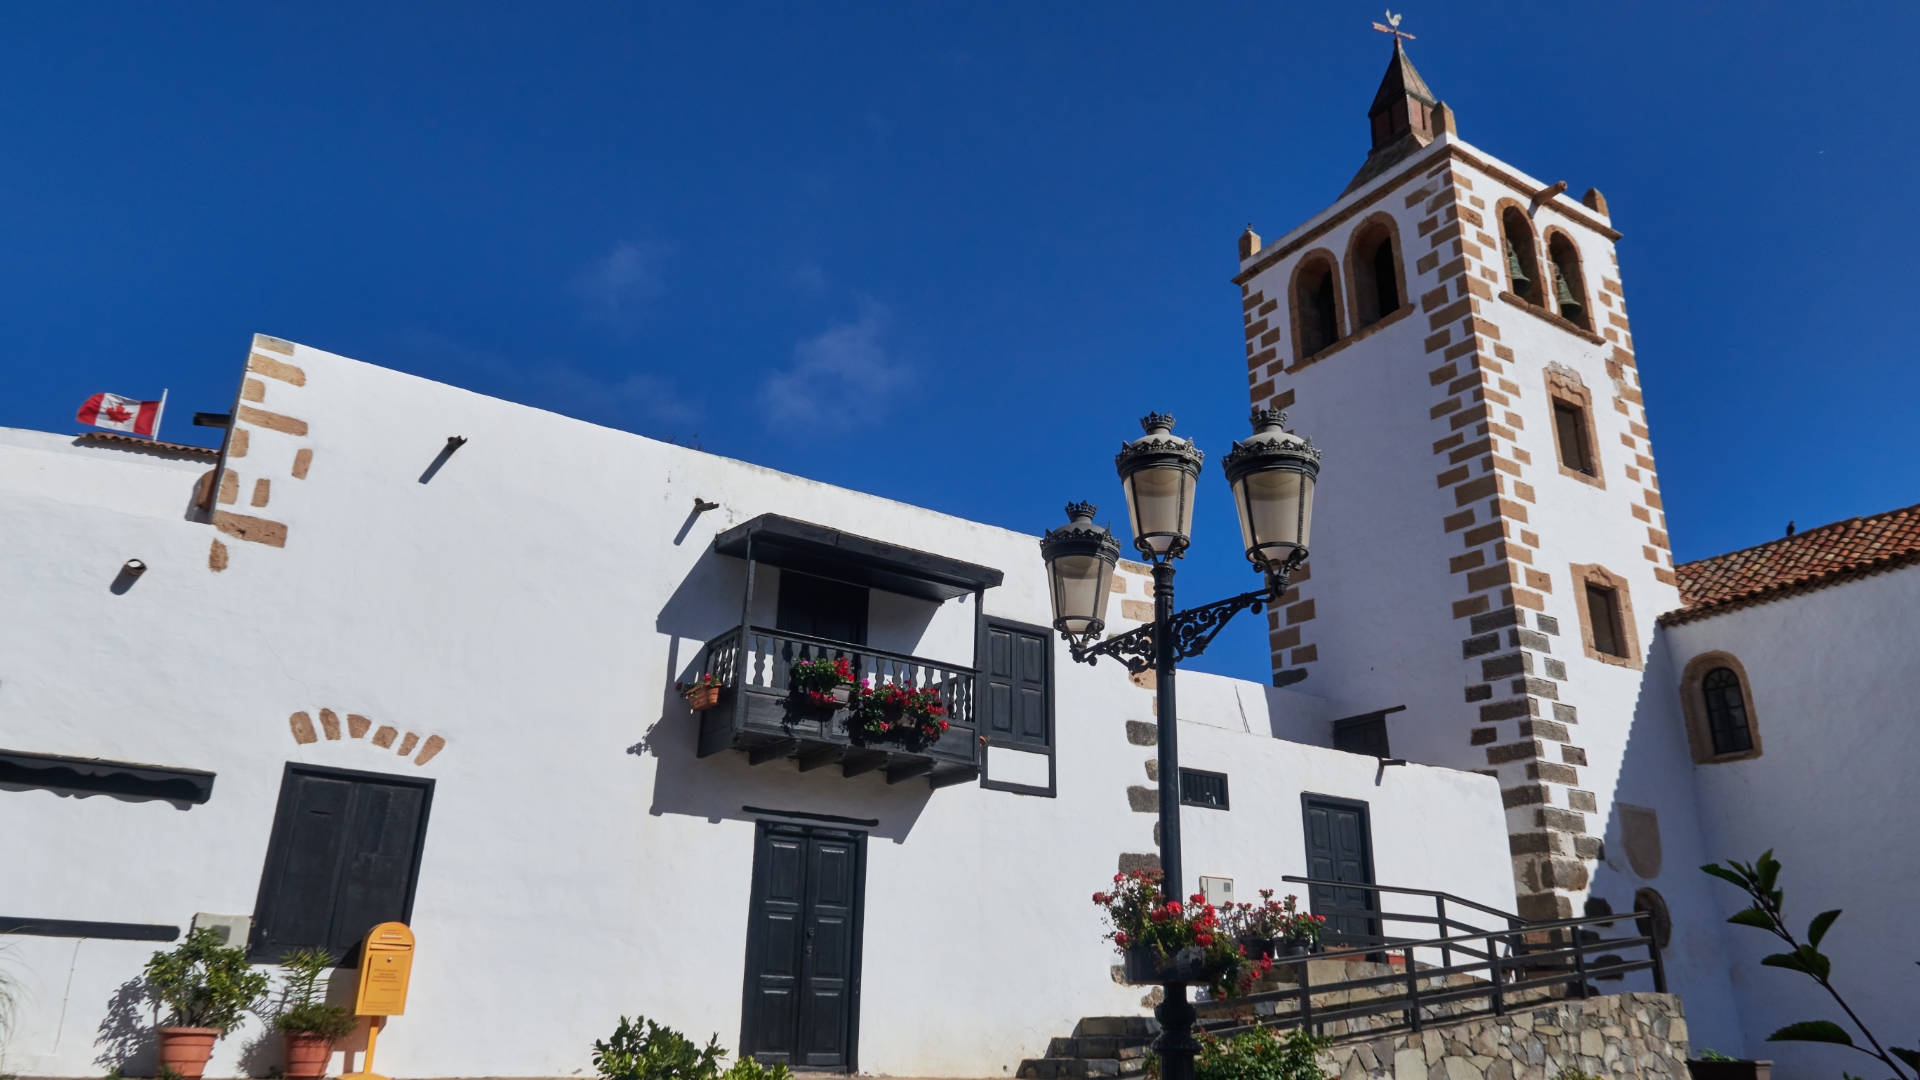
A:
[(1840, 735), (532, 603)]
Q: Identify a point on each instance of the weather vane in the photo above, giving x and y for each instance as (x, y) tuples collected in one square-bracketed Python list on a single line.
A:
[(1393, 27)]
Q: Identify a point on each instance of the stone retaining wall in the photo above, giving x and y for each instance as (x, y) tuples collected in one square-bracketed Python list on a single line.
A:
[(1640, 1036)]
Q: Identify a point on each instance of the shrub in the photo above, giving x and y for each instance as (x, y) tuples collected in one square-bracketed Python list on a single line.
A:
[(203, 983), (304, 1009), (1259, 1054), (640, 1049)]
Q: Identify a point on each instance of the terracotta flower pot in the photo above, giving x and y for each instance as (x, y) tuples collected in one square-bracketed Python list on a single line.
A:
[(702, 698), (185, 1050), (307, 1055)]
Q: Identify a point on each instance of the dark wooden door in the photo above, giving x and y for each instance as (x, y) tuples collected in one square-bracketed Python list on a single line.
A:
[(1016, 709), (803, 947), (1340, 848), (821, 608)]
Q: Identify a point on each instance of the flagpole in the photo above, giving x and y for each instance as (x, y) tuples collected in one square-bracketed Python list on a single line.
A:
[(159, 415)]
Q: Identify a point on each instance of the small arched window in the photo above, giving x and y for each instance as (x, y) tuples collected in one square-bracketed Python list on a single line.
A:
[(1317, 308), (1569, 285), (1726, 711), (1374, 269), (1523, 261)]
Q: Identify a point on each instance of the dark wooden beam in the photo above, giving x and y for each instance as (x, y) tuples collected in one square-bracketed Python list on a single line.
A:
[(952, 777), (909, 770), (779, 748), (863, 763), (824, 756)]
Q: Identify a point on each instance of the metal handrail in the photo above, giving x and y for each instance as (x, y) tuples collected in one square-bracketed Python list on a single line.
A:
[(1403, 890), (1500, 972)]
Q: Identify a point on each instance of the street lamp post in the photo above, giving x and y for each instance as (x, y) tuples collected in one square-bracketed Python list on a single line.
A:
[(1272, 474)]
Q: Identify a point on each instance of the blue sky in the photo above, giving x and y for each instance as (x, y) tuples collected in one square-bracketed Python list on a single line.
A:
[(945, 253)]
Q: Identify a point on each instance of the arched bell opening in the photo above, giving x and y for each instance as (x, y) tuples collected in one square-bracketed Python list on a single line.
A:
[(1523, 261), (1569, 284)]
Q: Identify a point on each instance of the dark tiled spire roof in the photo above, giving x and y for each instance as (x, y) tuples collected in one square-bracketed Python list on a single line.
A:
[(1800, 563), (1400, 120), (1400, 81)]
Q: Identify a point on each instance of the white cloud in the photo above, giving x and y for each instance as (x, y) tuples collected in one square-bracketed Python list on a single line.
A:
[(619, 287), (845, 361)]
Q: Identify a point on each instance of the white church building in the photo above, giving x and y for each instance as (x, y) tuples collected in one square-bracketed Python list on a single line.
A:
[(351, 668)]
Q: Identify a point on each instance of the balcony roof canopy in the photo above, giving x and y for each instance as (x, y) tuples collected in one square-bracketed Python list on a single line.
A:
[(859, 560)]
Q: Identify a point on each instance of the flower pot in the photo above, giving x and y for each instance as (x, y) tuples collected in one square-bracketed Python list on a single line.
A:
[(702, 698), (307, 1055), (1700, 1069), (1145, 964), (185, 1050)]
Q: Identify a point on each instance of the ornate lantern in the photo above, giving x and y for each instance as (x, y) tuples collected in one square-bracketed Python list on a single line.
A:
[(1272, 474), (1160, 473), (1080, 557)]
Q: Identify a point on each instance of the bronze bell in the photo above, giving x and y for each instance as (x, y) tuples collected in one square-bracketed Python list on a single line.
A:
[(1570, 306), (1516, 273)]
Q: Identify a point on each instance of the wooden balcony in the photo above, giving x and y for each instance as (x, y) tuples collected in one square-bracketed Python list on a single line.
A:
[(759, 715)]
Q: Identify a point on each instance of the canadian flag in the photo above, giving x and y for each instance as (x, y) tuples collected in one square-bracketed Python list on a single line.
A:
[(118, 413)]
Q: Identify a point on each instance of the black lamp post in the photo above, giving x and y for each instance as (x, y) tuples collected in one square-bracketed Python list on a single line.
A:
[(1272, 474)]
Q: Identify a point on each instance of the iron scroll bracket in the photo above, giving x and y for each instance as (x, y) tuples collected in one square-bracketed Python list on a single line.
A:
[(1192, 631)]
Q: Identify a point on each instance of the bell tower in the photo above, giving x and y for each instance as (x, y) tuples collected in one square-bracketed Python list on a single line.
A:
[(1489, 546)]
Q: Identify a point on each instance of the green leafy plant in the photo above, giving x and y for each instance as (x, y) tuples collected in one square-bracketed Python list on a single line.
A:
[(891, 710), (1258, 1054), (640, 1049), (304, 1009), (816, 680), (203, 983), (1760, 880), (1708, 1053), (1569, 1072), (1274, 920)]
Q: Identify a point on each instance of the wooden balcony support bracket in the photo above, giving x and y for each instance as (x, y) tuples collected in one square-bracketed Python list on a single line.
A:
[(820, 758), (760, 755), (862, 763), (910, 770)]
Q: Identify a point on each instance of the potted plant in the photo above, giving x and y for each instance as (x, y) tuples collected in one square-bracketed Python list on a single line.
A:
[(1162, 940), (310, 1025), (1714, 1065), (821, 683), (205, 987), (702, 693), (1275, 928), (897, 712)]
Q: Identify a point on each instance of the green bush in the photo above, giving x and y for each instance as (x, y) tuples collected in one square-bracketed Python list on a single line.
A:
[(640, 1049), (1259, 1054), (304, 1009), (203, 983)]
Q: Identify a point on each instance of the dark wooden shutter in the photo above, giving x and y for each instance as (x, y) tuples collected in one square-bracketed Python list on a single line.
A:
[(821, 608), (344, 857), (803, 947), (1016, 708), (1362, 735)]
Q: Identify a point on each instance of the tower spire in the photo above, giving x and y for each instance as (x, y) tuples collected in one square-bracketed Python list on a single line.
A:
[(1404, 116)]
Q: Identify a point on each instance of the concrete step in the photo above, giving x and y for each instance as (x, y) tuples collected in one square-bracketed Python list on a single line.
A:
[(1071, 1068), (1143, 1028), (1119, 1047)]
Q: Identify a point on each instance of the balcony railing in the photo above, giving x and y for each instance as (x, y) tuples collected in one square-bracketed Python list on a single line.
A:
[(758, 713)]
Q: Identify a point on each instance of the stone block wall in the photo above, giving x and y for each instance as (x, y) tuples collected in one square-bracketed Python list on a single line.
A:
[(1638, 1036)]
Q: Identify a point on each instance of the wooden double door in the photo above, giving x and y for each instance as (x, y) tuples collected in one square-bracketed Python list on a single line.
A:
[(1340, 849), (803, 947)]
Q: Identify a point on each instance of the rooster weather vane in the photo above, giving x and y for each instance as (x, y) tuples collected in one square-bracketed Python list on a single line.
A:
[(1393, 27)]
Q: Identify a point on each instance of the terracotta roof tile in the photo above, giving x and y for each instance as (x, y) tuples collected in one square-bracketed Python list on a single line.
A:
[(1800, 563), (135, 442)]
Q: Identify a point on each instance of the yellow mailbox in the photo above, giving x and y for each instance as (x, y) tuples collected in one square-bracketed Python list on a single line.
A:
[(386, 964)]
